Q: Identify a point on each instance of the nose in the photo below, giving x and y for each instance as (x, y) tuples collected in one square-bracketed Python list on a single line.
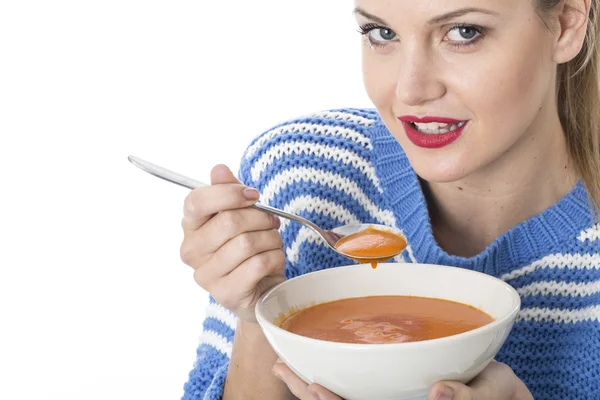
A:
[(418, 81)]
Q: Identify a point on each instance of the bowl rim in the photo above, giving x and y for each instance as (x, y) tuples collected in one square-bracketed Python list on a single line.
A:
[(492, 326)]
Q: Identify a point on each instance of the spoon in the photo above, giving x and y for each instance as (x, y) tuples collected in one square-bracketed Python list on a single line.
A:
[(331, 237)]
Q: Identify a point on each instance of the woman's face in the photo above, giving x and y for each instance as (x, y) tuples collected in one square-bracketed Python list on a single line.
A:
[(460, 83)]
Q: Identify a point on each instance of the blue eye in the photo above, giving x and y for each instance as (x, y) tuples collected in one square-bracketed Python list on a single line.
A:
[(463, 33), (382, 34), (377, 34)]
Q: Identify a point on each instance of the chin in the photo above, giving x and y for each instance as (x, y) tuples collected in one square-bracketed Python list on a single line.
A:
[(435, 174), (440, 167)]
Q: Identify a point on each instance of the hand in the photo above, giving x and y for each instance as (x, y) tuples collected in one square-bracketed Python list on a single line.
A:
[(496, 382), (299, 388), (236, 252)]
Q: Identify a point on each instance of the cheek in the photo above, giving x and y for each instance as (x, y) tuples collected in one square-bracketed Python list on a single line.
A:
[(507, 91), (509, 95), (378, 79)]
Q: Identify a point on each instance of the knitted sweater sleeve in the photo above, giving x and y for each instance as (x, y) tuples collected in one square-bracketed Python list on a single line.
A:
[(311, 166), (207, 378)]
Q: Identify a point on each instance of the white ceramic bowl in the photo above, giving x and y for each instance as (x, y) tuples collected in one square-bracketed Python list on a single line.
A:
[(389, 371)]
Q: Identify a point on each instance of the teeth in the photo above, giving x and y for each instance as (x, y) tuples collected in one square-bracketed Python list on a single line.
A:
[(435, 128), (432, 126)]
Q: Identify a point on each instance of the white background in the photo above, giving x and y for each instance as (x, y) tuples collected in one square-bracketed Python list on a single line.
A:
[(94, 300)]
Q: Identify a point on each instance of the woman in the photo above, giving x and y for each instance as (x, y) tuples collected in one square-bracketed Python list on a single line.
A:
[(484, 150)]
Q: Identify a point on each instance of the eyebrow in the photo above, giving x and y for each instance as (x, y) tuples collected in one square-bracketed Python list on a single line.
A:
[(436, 20), (372, 17), (459, 13)]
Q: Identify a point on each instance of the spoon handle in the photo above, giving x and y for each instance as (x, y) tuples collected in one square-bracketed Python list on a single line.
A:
[(192, 184), (166, 174)]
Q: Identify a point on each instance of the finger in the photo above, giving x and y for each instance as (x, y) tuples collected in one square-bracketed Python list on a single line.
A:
[(447, 391), (202, 203), (221, 173), (245, 246), (235, 252), (228, 224), (296, 385), (496, 382), (220, 230), (245, 278), (226, 192), (319, 392)]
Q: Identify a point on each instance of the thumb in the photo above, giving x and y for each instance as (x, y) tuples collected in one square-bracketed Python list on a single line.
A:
[(222, 174), (451, 391), (496, 382)]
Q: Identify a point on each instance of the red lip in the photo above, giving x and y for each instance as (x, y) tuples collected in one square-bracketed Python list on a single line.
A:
[(431, 141)]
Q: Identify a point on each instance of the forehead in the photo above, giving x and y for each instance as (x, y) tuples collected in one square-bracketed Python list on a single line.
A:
[(418, 10)]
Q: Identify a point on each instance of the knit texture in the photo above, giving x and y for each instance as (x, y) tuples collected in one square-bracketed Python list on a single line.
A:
[(343, 166)]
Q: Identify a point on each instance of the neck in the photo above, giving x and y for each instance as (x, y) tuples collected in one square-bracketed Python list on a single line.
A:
[(469, 214)]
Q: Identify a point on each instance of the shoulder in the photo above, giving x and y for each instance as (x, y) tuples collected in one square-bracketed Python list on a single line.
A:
[(349, 125), (335, 141)]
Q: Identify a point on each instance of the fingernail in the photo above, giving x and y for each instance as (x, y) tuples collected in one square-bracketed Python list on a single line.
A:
[(251, 194), (277, 222), (446, 394)]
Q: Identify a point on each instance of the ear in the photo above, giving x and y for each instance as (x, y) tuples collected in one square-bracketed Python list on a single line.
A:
[(573, 23)]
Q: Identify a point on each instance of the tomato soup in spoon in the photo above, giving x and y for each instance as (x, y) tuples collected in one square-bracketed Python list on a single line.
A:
[(371, 245)]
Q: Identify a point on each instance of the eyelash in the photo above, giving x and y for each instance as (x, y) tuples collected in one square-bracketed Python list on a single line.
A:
[(480, 30), (365, 29)]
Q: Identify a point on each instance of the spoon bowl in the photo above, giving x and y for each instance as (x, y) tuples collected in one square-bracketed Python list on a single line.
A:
[(331, 237), (351, 229)]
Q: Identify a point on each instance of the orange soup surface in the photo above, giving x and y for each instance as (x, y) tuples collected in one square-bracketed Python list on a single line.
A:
[(371, 243), (385, 319)]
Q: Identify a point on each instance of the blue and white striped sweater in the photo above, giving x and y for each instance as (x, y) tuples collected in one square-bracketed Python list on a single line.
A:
[(343, 166)]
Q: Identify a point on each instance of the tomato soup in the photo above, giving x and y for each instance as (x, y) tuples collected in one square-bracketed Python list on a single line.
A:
[(371, 243), (385, 319)]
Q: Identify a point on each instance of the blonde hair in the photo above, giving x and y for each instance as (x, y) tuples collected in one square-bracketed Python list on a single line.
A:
[(578, 96)]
